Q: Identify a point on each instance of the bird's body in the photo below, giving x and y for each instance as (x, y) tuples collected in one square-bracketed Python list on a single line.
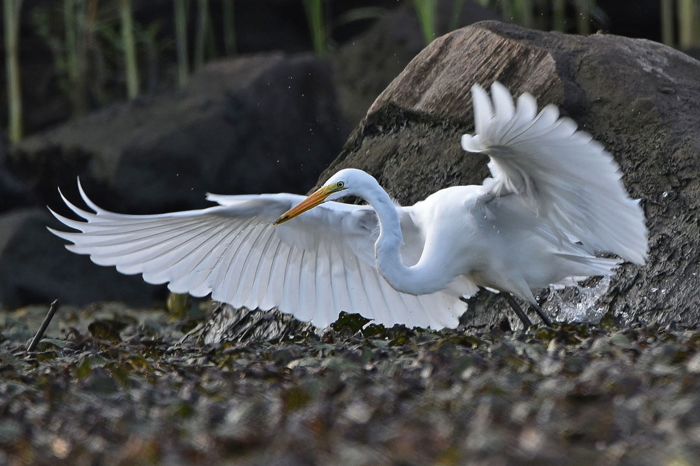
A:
[(555, 200)]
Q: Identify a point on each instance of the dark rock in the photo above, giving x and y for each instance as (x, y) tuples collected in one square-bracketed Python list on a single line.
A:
[(639, 98), (260, 26), (242, 326), (261, 123), (365, 66), (13, 192), (36, 268)]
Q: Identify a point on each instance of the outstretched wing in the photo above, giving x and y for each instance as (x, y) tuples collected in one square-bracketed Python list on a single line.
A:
[(562, 173), (314, 267)]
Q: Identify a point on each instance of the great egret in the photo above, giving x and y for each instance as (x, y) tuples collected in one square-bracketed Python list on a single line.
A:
[(555, 200)]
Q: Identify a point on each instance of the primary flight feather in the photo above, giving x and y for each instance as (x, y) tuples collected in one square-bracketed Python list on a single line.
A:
[(555, 199)]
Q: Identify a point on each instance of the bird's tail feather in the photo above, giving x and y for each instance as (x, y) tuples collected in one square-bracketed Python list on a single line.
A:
[(584, 266)]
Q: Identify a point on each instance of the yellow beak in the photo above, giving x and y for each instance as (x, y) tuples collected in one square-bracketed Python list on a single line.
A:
[(314, 199)]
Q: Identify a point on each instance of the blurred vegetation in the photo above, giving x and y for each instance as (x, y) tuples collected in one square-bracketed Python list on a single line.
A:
[(99, 45), (427, 15), (11, 12), (317, 26), (127, 23), (688, 23)]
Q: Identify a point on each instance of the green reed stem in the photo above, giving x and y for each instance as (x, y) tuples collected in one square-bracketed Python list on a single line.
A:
[(71, 40), (131, 65), (456, 14), (210, 48), (688, 24), (427, 13), (526, 13), (229, 27), (183, 70), (583, 16), (314, 15), (507, 10), (201, 36), (668, 26), (559, 15), (14, 91)]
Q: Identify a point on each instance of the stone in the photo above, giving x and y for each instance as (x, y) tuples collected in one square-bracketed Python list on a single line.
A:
[(367, 64), (639, 98), (13, 192), (36, 268), (264, 123)]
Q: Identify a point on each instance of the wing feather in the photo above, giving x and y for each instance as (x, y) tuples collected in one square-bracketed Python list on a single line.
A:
[(290, 293), (339, 270), (335, 282), (204, 278), (221, 288), (314, 267), (324, 281), (247, 267), (240, 274), (351, 283), (374, 293), (564, 175), (273, 294), (166, 261), (263, 269)]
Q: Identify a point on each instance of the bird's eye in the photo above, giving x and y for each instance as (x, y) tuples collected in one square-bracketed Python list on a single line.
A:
[(340, 184)]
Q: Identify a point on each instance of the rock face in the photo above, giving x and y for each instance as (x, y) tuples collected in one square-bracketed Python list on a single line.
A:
[(639, 98), (242, 126), (36, 268), (365, 67), (13, 192), (262, 123)]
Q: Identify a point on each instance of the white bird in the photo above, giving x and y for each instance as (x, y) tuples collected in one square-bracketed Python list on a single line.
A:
[(555, 199)]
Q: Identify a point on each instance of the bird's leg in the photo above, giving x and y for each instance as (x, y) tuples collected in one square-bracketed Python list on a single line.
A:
[(547, 321), (518, 310)]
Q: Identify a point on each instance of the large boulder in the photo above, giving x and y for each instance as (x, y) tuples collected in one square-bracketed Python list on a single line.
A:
[(36, 268), (366, 65), (264, 123), (248, 125), (639, 98), (13, 192)]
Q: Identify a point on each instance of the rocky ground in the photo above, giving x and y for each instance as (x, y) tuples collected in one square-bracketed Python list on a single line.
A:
[(111, 385)]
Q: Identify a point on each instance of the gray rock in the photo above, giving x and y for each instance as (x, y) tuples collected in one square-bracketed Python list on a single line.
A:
[(265, 123), (261, 123), (36, 268), (639, 98), (13, 191), (365, 66), (244, 326)]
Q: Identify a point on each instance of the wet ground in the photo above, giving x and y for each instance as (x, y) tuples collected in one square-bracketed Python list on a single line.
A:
[(113, 386)]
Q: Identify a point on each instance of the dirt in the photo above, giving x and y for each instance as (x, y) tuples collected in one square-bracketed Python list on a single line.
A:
[(115, 386)]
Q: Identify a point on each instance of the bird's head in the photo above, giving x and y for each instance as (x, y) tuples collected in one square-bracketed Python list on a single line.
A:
[(348, 182)]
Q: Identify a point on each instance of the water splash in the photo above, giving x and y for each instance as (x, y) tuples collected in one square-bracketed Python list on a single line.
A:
[(579, 303)]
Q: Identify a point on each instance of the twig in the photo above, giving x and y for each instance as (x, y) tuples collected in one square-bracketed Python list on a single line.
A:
[(47, 320)]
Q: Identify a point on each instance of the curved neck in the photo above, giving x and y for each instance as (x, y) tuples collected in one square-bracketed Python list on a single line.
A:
[(422, 278)]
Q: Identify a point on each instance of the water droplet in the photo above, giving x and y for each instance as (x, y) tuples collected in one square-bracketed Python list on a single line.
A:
[(583, 307)]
